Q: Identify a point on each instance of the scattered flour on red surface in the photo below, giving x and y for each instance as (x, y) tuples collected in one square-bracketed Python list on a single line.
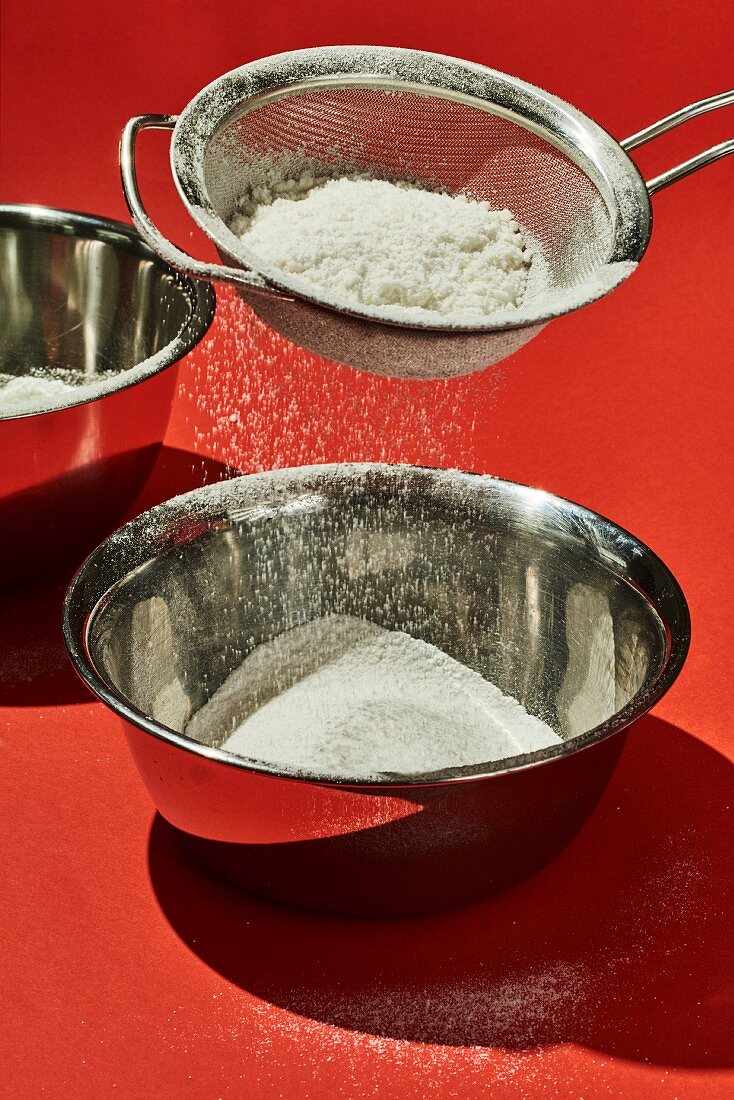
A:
[(523, 1024)]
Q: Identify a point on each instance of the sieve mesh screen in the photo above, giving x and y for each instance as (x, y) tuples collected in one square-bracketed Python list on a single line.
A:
[(433, 140)]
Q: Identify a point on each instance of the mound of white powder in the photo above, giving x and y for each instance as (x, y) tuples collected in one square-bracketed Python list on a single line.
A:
[(404, 252), (48, 389), (341, 696), (26, 392)]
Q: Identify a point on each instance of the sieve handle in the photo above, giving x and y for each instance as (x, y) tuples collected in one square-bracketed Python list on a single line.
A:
[(167, 251), (723, 99)]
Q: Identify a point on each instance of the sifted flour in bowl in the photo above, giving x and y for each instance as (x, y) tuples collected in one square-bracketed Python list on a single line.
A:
[(342, 696), (49, 389), (27, 392), (406, 253)]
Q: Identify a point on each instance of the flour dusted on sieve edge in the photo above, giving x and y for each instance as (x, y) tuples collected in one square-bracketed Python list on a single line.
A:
[(402, 251), (342, 696)]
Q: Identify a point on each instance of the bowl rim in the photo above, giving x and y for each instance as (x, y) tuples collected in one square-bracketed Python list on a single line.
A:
[(199, 295), (677, 644)]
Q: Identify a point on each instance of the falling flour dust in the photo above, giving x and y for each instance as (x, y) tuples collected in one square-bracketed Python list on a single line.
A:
[(400, 251), (342, 696), (290, 408)]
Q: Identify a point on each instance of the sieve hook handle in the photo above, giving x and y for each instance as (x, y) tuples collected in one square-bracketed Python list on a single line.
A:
[(693, 110), (167, 251)]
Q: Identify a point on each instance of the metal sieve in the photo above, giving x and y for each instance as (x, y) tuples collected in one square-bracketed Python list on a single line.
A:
[(439, 121)]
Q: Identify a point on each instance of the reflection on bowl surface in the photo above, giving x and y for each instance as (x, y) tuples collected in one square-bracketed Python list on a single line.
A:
[(557, 606)]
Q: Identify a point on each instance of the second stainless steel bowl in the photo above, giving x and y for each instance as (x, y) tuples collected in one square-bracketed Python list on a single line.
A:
[(84, 294)]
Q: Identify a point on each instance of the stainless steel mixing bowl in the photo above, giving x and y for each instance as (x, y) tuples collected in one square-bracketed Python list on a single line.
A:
[(87, 295), (558, 606)]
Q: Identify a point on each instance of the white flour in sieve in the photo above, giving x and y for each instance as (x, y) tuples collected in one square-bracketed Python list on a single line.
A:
[(404, 252), (342, 696)]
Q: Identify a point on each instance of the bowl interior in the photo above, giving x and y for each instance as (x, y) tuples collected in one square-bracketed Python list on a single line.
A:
[(557, 606), (77, 295)]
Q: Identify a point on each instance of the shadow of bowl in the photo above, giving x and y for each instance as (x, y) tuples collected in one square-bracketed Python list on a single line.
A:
[(623, 944), (34, 666)]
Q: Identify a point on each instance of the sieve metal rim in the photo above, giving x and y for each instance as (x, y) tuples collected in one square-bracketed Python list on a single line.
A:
[(587, 144)]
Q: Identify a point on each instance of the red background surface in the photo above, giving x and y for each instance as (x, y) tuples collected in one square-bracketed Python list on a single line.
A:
[(126, 971)]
